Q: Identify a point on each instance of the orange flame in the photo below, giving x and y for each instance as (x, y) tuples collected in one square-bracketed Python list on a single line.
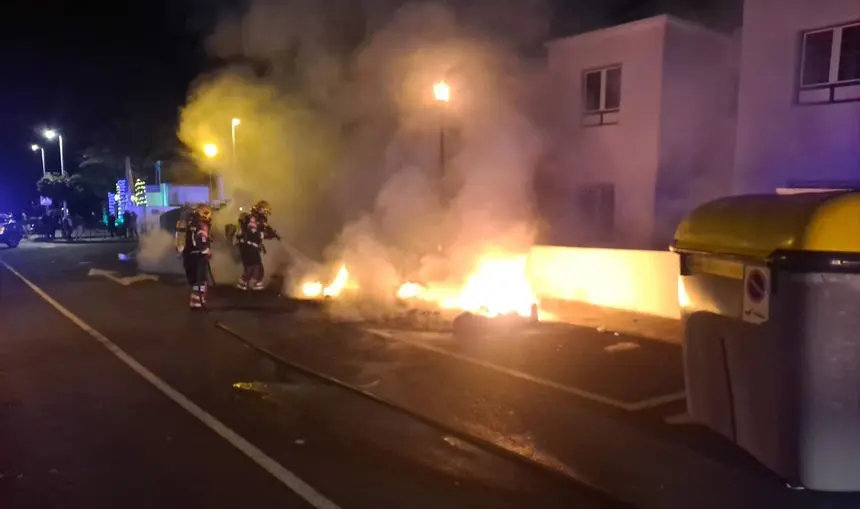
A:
[(498, 286)]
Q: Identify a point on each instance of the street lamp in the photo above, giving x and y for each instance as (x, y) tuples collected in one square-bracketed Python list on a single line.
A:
[(40, 149), (233, 125), (210, 150), (441, 91), (50, 134)]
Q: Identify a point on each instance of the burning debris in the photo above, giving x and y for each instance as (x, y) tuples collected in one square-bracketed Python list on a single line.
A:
[(316, 289), (497, 293)]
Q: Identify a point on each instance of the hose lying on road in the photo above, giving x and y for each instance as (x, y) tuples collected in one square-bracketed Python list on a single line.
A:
[(477, 442)]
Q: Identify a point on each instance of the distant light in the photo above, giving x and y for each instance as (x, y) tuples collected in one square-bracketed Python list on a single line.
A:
[(210, 149), (34, 147), (236, 122), (441, 91), (49, 133)]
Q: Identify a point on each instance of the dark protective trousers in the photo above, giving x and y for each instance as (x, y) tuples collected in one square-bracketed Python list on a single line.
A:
[(197, 272), (252, 263)]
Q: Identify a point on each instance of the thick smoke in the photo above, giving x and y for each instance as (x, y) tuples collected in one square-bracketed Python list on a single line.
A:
[(341, 132)]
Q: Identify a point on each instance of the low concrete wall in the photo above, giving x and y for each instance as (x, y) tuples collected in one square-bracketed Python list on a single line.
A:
[(639, 281)]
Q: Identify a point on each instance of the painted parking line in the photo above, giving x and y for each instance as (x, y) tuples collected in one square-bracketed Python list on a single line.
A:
[(598, 398), (264, 461)]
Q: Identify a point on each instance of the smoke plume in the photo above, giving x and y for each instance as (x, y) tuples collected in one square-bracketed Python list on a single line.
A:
[(340, 131)]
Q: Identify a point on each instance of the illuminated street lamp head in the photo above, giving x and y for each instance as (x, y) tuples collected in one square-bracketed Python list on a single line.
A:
[(441, 91), (34, 147), (210, 149), (236, 122), (49, 133)]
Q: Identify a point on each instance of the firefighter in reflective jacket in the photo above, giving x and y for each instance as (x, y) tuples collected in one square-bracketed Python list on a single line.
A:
[(196, 254), (253, 229)]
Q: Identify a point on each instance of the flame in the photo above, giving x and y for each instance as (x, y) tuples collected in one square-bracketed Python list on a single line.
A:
[(312, 289), (498, 286), (339, 283), (409, 290), (315, 289)]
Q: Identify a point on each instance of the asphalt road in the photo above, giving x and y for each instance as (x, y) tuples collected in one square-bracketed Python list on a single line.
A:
[(152, 406), (92, 429)]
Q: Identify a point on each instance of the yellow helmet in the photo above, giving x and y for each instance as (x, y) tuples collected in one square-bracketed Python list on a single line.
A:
[(263, 207), (204, 212)]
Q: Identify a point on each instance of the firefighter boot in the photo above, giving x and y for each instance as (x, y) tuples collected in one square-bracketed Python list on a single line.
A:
[(257, 285), (242, 285), (196, 301)]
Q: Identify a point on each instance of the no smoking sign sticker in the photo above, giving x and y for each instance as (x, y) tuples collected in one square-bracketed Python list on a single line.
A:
[(756, 307)]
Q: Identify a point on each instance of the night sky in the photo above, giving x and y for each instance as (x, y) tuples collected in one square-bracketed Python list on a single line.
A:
[(80, 66), (77, 66)]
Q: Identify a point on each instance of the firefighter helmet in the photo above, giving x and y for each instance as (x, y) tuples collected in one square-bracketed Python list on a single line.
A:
[(262, 207), (204, 212)]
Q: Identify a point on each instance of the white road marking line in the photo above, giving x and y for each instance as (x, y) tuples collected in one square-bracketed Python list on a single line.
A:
[(289, 479), (630, 407), (624, 346), (124, 281)]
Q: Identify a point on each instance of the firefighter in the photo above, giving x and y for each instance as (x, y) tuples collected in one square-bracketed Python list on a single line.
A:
[(262, 211), (253, 230), (196, 254)]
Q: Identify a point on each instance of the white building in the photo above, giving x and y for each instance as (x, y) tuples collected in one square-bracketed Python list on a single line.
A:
[(645, 131), (799, 95)]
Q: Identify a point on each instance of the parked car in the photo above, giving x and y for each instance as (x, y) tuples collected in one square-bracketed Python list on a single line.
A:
[(11, 231)]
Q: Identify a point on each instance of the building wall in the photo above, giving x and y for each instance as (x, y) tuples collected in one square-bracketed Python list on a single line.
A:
[(187, 195), (624, 154), (779, 141), (640, 281), (697, 123)]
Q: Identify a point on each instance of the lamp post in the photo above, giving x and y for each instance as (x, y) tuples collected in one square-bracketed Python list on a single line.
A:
[(42, 150), (50, 134), (210, 150), (442, 93), (233, 125)]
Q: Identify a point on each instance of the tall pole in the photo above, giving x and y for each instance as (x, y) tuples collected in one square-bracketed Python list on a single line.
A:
[(210, 150), (234, 123), (442, 94), (62, 165), (233, 137), (42, 151), (442, 147)]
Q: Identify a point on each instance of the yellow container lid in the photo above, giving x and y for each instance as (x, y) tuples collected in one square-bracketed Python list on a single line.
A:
[(758, 225)]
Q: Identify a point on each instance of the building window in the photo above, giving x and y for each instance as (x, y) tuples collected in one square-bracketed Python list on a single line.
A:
[(601, 96), (597, 208), (830, 65)]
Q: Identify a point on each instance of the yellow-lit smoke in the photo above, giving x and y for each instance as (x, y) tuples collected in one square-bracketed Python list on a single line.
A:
[(340, 130), (283, 152)]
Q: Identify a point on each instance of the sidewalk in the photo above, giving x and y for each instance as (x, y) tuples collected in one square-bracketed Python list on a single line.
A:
[(36, 239), (587, 315)]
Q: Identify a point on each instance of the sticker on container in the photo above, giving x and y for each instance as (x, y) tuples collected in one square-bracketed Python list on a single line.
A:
[(756, 294)]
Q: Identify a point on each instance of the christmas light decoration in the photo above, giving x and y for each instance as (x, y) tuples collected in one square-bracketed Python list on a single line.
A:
[(139, 196), (123, 200)]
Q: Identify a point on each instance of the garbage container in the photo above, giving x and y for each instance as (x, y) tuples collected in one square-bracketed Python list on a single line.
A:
[(770, 300)]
